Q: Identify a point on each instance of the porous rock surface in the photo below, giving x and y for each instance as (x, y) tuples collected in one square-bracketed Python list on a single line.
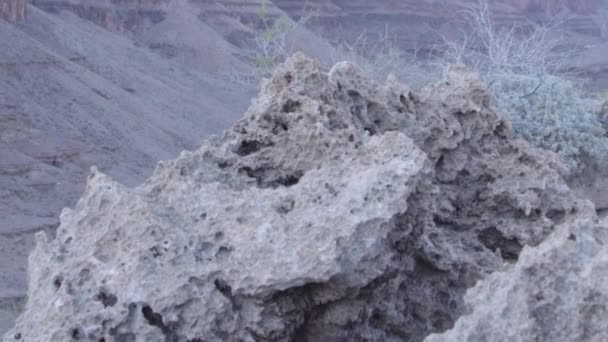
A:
[(556, 292), (337, 209)]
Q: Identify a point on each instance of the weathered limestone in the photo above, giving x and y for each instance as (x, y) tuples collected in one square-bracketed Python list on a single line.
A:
[(336, 209)]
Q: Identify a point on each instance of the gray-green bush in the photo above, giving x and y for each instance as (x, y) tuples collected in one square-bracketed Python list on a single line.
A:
[(556, 114), (522, 66)]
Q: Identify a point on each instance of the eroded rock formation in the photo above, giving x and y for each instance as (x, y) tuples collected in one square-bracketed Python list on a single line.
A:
[(556, 292), (13, 10), (337, 209)]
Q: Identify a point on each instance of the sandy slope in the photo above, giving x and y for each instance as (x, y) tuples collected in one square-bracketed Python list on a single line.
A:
[(74, 95)]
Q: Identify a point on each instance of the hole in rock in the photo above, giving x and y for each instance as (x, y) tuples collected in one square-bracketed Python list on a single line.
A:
[(223, 164), (288, 77), (106, 299), (287, 180), (248, 147), (557, 216), (75, 334), (223, 252), (251, 173), (261, 177), (156, 320), (493, 239), (223, 287), (291, 106), (156, 251), (286, 207), (153, 318), (57, 282), (280, 126)]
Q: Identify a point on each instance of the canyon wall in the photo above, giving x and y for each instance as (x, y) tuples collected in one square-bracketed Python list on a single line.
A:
[(419, 26), (121, 16), (550, 7), (12, 10)]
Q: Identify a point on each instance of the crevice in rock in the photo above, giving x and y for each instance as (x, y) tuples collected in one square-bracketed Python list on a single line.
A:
[(223, 287)]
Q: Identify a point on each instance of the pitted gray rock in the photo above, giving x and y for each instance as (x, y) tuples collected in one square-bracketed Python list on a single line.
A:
[(556, 292), (336, 209)]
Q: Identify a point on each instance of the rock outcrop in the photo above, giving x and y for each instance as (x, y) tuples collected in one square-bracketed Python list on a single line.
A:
[(13, 10), (336, 209)]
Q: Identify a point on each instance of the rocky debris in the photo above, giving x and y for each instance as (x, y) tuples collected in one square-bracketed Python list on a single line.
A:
[(13, 10), (336, 209), (556, 292)]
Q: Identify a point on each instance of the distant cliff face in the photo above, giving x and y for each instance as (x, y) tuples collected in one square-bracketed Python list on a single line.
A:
[(215, 31), (122, 16), (419, 22), (12, 10), (131, 15), (550, 7)]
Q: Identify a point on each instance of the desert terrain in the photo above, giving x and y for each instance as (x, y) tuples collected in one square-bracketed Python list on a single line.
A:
[(122, 85)]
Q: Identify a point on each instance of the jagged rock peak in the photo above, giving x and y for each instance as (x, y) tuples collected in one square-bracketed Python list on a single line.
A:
[(335, 209), (13, 10)]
